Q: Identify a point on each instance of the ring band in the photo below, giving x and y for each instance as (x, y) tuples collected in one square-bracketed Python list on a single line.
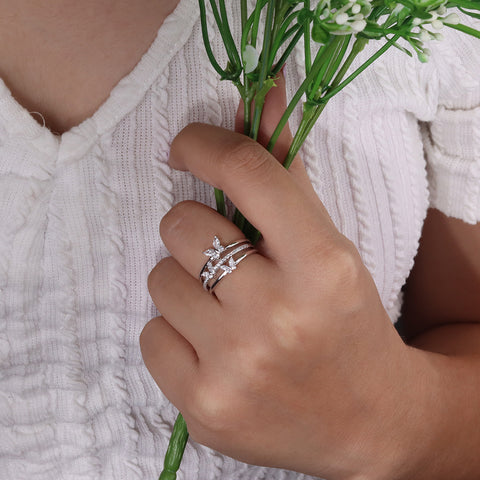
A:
[(223, 260)]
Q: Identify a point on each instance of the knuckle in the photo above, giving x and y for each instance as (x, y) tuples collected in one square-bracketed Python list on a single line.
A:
[(335, 263), (257, 366), (347, 265), (175, 222), (347, 280), (288, 332), (210, 410), (248, 159)]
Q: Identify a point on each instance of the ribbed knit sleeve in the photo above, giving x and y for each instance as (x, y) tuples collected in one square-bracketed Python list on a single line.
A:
[(452, 139)]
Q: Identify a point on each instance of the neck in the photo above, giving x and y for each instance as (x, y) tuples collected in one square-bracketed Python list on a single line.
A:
[(62, 57), (45, 20)]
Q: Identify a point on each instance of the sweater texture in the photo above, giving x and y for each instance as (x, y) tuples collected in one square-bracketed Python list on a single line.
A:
[(79, 216)]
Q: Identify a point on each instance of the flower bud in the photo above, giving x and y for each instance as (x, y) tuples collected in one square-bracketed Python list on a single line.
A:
[(425, 36), (453, 19), (423, 57), (358, 25), (250, 58), (341, 18)]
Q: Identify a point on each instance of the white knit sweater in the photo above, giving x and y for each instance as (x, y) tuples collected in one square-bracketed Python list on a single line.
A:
[(79, 217)]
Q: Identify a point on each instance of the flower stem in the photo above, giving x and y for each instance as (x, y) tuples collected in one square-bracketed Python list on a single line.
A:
[(306, 36), (259, 100), (244, 13), (331, 92), (220, 201), (175, 450), (206, 41), (317, 65), (464, 29), (227, 37)]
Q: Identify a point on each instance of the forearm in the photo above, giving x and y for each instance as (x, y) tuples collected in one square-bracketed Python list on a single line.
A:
[(450, 398)]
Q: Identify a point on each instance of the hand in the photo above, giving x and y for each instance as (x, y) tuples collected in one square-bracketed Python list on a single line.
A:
[(293, 362)]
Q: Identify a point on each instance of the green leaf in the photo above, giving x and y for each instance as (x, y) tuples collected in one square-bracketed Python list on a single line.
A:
[(319, 34), (464, 29), (470, 14)]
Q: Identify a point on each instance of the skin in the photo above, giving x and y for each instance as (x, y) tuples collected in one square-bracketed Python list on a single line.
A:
[(294, 362), (68, 39)]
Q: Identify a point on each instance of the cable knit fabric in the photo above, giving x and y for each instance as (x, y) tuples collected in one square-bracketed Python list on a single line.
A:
[(79, 217)]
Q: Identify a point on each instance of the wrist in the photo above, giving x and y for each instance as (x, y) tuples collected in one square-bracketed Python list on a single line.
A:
[(406, 437), (432, 408)]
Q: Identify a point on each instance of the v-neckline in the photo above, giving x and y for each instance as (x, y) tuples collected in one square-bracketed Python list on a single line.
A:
[(17, 121)]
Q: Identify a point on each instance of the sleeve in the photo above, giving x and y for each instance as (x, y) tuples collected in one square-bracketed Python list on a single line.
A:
[(452, 138)]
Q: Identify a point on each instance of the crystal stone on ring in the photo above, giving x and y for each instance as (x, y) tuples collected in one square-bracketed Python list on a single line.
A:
[(215, 252), (230, 267), (207, 275)]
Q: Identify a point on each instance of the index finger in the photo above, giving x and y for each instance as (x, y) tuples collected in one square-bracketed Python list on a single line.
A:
[(256, 183)]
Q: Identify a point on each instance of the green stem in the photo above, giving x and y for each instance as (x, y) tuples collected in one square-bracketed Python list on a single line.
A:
[(206, 40), (246, 31), (244, 13), (331, 92), (306, 36), (259, 101), (175, 450), (228, 39), (280, 35), (220, 201), (306, 125), (334, 65), (337, 51), (287, 52), (464, 29), (256, 21), (318, 63), (467, 4), (358, 46), (310, 117)]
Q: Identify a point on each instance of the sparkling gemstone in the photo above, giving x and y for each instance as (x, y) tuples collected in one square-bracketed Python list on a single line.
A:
[(230, 267)]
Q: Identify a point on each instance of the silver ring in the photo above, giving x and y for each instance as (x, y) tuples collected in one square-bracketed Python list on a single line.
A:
[(223, 260)]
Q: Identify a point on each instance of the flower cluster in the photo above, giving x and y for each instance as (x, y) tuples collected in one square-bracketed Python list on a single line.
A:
[(416, 22), (339, 17), (426, 29)]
